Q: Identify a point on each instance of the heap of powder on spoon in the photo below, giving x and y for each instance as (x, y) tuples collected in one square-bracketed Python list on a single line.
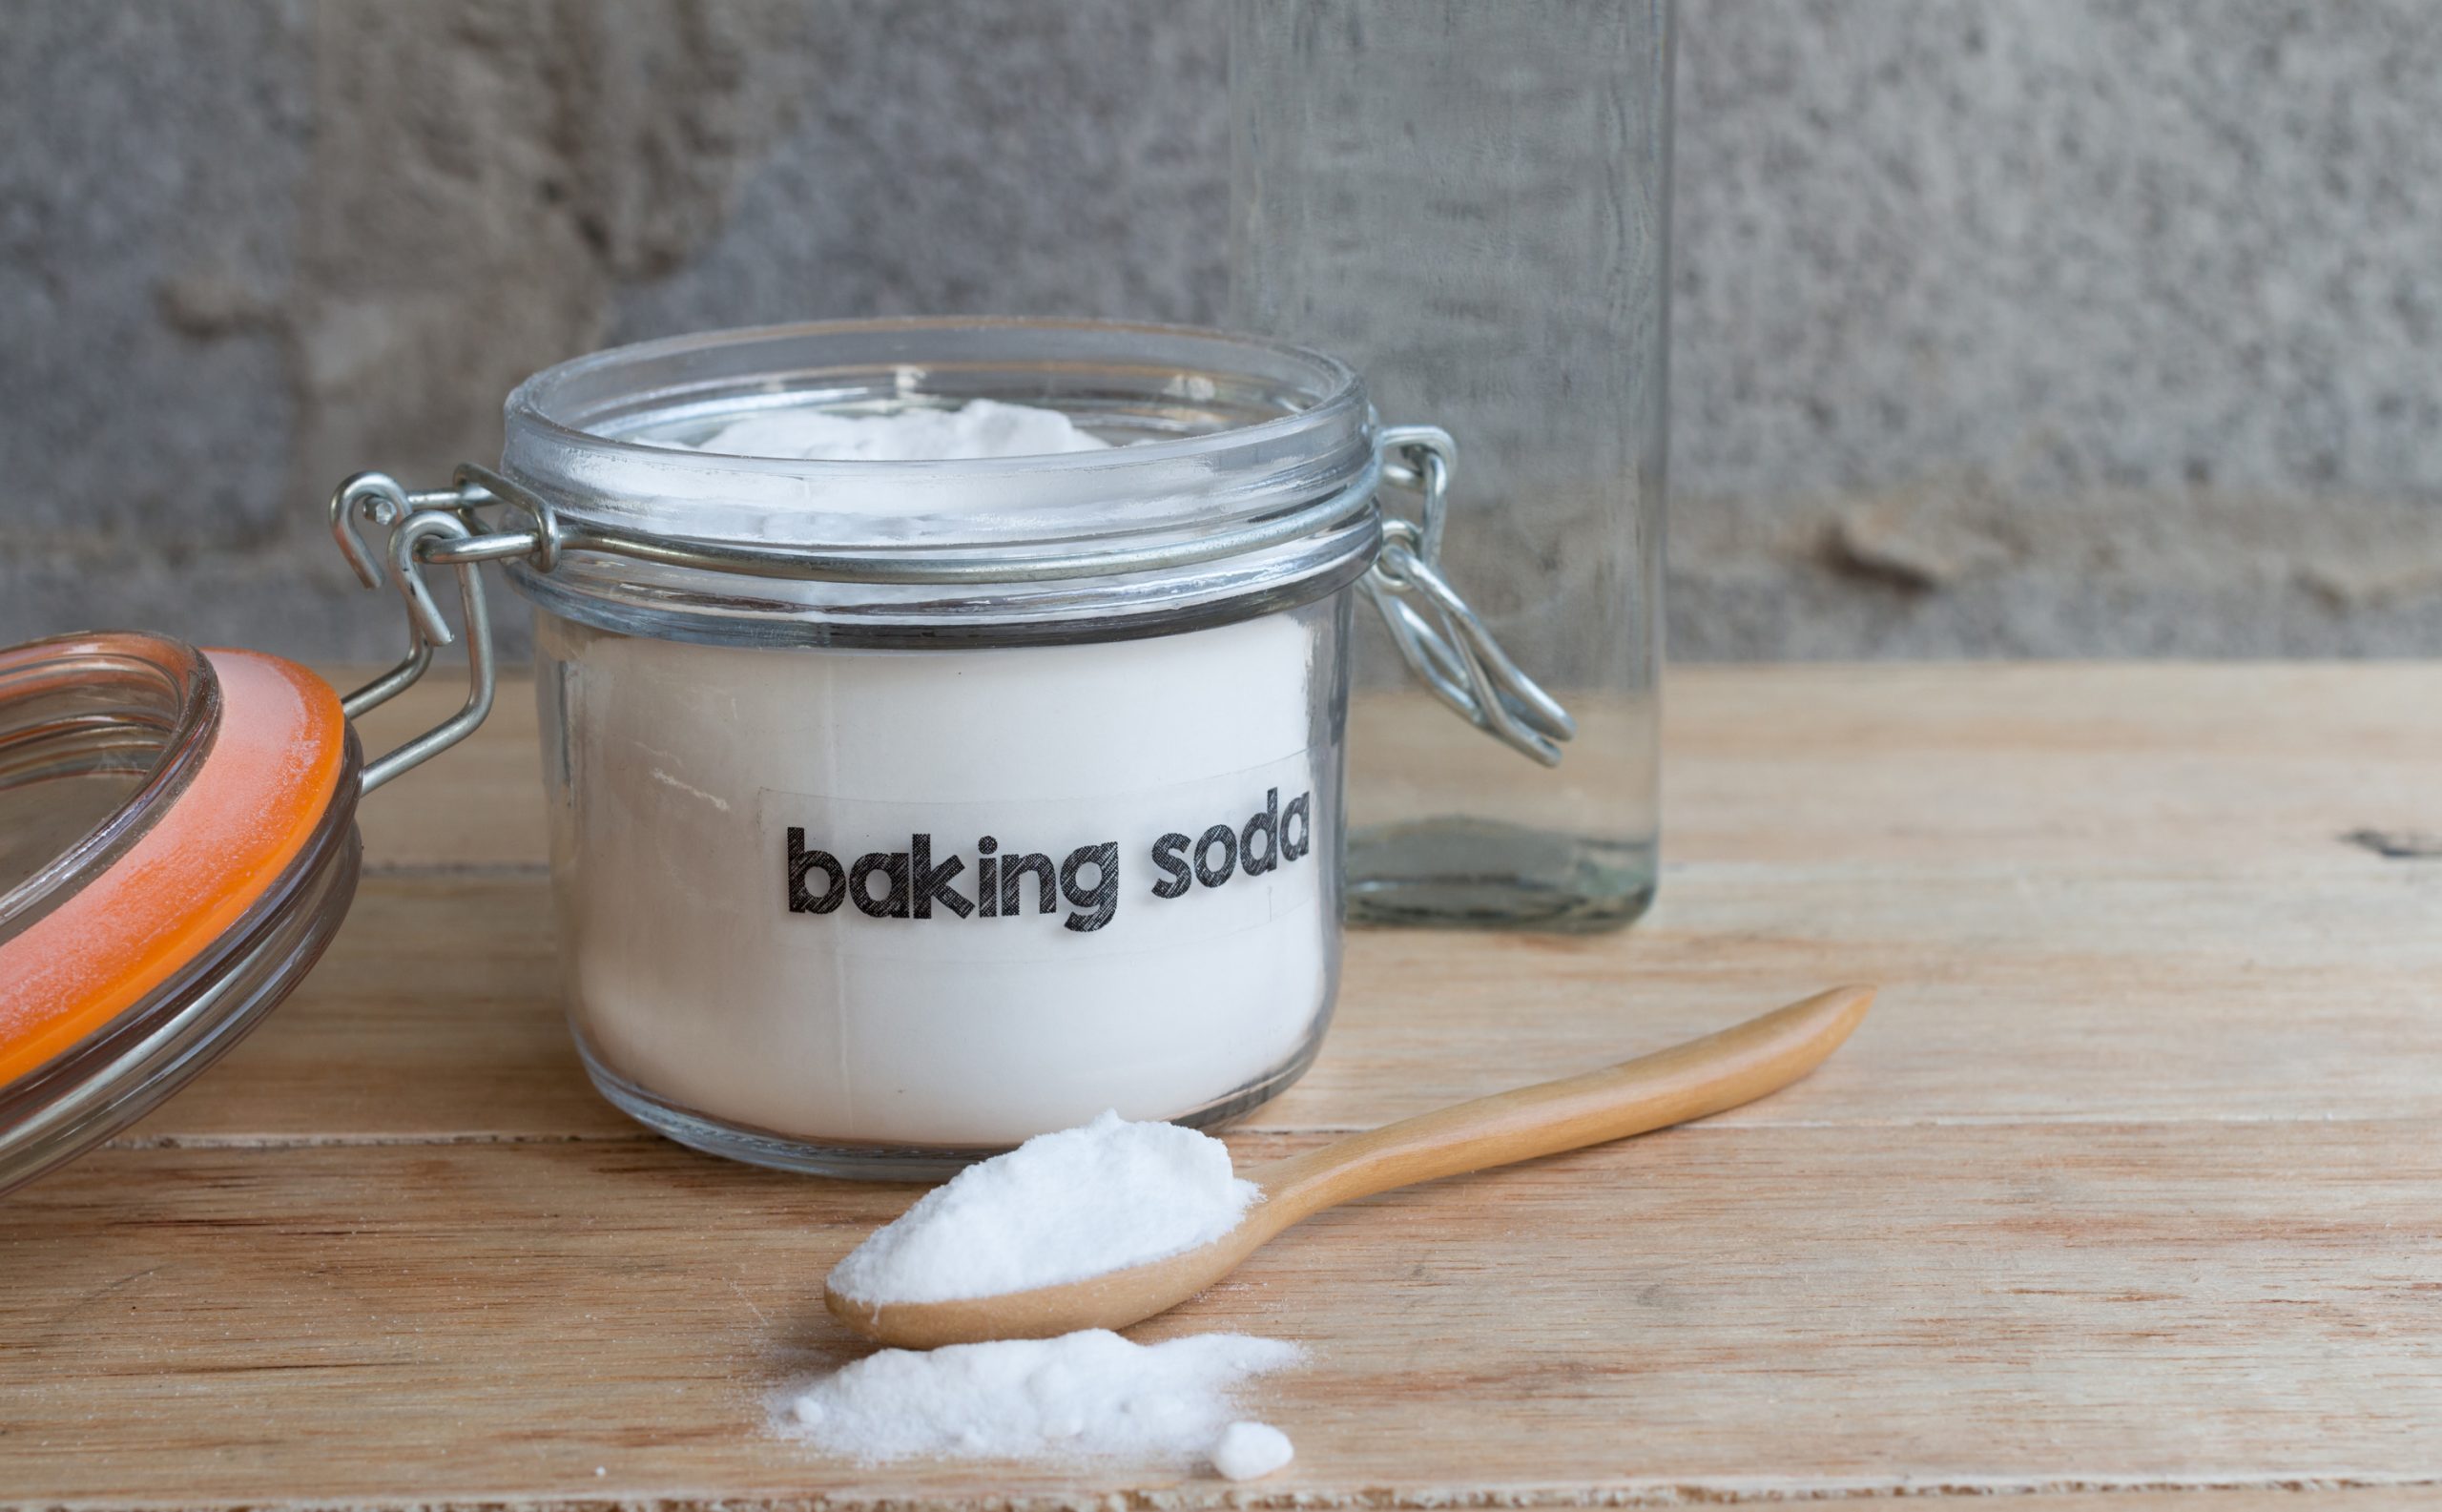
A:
[(1059, 1207)]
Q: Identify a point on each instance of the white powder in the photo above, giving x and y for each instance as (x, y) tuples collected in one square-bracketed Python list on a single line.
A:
[(1083, 1396), (1249, 1451), (982, 427), (686, 777), (1059, 1207)]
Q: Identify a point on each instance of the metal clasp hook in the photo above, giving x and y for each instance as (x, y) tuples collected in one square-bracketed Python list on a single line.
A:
[(416, 523), (1439, 636)]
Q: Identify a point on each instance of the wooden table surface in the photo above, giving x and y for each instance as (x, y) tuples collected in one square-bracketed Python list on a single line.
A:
[(2130, 1191)]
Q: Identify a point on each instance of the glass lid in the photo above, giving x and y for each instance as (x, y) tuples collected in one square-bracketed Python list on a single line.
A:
[(176, 845), (1195, 430)]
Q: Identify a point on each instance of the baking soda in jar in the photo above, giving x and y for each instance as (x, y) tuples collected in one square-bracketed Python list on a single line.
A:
[(994, 891)]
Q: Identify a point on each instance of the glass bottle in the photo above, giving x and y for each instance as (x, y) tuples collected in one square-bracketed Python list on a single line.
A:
[(1470, 202)]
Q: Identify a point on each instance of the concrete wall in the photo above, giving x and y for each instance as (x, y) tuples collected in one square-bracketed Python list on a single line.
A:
[(2003, 326)]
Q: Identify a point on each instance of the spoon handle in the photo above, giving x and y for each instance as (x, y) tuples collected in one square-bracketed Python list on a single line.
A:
[(1704, 1076)]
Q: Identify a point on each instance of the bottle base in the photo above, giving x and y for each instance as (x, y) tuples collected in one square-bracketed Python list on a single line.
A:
[(1483, 874), (860, 1161)]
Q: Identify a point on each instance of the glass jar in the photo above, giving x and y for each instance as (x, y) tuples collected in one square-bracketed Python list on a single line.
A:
[(901, 810), (1472, 203)]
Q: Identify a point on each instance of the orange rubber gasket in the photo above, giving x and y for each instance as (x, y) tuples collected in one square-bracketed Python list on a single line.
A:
[(262, 788)]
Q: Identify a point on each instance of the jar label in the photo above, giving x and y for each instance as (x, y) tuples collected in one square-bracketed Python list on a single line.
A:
[(1045, 879)]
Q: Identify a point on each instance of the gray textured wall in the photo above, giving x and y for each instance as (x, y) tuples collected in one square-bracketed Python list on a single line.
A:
[(2003, 326)]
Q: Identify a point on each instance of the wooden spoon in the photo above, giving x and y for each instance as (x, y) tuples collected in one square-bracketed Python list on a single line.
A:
[(1669, 1086)]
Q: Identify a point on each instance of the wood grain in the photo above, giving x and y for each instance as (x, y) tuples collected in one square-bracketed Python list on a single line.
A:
[(1752, 1314), (2126, 1196), (434, 1015)]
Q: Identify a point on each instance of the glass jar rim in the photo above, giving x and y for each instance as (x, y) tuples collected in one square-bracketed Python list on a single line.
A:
[(543, 401)]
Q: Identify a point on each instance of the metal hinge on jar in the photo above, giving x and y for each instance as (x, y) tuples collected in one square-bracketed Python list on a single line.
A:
[(1442, 640), (420, 525)]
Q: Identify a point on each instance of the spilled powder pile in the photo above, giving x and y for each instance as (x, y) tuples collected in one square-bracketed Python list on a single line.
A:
[(1089, 1395), (982, 427), (1059, 1207)]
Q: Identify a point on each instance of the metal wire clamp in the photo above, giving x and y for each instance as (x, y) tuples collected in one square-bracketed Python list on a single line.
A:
[(417, 523), (1443, 641)]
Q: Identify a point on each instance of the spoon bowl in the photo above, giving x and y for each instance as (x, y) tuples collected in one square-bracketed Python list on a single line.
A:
[(1700, 1077)]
